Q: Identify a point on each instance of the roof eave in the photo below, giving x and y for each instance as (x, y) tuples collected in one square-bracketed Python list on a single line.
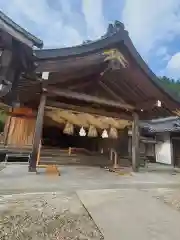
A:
[(104, 43), (18, 32), (83, 49), (154, 79)]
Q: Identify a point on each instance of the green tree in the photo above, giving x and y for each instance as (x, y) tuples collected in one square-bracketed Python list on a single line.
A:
[(171, 84), (3, 117)]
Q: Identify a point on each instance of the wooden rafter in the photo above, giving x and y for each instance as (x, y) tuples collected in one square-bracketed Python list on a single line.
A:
[(126, 88), (124, 85), (119, 86), (80, 85), (138, 85), (149, 104), (88, 98), (55, 65), (66, 76), (112, 93)]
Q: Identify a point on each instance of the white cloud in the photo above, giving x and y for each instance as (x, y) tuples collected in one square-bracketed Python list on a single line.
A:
[(163, 54), (161, 51), (151, 22), (173, 66), (57, 26), (93, 13)]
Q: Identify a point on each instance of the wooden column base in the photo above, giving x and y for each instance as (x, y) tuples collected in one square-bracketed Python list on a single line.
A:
[(116, 166), (135, 168), (32, 169)]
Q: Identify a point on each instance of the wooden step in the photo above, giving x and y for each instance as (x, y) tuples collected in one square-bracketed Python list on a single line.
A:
[(83, 160)]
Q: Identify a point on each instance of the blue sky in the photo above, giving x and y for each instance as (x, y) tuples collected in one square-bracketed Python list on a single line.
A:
[(154, 26)]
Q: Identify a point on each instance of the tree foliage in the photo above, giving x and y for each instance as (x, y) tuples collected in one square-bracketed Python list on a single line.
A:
[(3, 117), (171, 84)]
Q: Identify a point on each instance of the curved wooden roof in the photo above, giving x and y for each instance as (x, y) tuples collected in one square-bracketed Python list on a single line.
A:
[(137, 85), (84, 50)]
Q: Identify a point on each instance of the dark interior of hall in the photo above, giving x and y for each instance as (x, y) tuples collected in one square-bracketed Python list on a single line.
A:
[(54, 137)]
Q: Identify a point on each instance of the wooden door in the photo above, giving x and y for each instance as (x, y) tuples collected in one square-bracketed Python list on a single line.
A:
[(176, 152)]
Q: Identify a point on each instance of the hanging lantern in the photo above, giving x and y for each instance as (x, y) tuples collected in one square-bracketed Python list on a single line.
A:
[(82, 132), (104, 134), (92, 132), (113, 133), (69, 129)]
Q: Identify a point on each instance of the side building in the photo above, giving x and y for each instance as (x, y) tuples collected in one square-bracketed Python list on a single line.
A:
[(166, 132)]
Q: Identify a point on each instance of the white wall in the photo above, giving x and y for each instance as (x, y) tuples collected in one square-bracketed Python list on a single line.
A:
[(163, 149)]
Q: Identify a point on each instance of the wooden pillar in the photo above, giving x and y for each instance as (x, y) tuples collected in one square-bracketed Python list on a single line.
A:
[(135, 142), (37, 133), (7, 128)]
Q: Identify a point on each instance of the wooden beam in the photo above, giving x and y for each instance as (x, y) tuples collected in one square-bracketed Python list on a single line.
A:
[(66, 76), (90, 61), (118, 81), (125, 86), (112, 93), (120, 86), (116, 86), (132, 83), (146, 105), (88, 98), (38, 133), (91, 110), (135, 142), (80, 85)]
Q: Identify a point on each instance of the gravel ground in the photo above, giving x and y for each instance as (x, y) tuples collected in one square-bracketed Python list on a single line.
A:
[(45, 216)]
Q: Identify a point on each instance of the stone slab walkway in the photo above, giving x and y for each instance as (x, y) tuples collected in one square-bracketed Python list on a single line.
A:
[(131, 214), (16, 179)]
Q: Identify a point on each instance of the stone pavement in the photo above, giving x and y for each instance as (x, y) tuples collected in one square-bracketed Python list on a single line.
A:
[(16, 179), (131, 214)]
